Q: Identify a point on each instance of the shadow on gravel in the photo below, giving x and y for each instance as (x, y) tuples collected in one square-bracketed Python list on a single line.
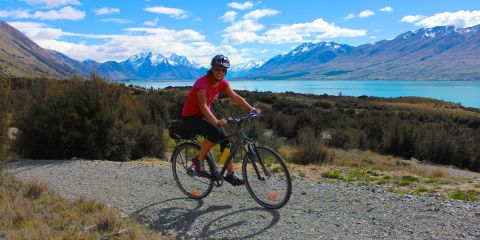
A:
[(27, 165), (185, 218), (253, 221)]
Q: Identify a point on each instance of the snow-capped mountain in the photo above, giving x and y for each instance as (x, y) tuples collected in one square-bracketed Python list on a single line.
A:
[(144, 66), (241, 69), (438, 53), (155, 59), (304, 55)]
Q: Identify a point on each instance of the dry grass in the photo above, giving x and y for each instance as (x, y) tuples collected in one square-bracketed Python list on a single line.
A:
[(447, 109), (394, 174), (368, 159), (31, 210), (438, 173)]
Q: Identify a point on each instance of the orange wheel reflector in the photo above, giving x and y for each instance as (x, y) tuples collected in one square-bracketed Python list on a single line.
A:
[(272, 196), (195, 193)]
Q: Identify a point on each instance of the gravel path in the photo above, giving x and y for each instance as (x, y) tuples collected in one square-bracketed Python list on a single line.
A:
[(316, 210)]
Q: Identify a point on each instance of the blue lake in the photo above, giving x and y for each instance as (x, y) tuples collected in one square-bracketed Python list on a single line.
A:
[(465, 92)]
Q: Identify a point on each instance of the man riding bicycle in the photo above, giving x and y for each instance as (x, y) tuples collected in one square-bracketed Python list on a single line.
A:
[(199, 119)]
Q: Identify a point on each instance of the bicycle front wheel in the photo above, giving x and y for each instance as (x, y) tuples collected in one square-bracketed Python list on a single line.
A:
[(193, 185), (267, 178)]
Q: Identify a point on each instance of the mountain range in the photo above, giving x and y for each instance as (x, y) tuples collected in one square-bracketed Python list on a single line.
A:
[(439, 53)]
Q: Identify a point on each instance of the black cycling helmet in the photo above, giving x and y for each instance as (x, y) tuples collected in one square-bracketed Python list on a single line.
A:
[(220, 61)]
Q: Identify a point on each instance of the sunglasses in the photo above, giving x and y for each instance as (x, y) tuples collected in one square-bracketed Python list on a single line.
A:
[(220, 69)]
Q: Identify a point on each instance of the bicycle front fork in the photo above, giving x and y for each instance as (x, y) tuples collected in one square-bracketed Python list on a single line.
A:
[(255, 160)]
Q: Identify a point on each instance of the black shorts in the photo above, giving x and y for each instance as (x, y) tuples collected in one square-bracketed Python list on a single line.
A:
[(200, 126)]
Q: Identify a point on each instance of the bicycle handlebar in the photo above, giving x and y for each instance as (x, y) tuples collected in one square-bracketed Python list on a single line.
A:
[(241, 119)]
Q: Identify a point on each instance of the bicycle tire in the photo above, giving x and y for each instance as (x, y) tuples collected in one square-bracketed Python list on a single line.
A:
[(274, 191), (192, 185)]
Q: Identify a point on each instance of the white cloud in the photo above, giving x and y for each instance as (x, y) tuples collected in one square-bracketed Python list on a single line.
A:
[(349, 16), (259, 13), (242, 32), (27, 25), (386, 9), (241, 6), (105, 11), (66, 13), (366, 13), (171, 12), (116, 20), (412, 18), (15, 14), (363, 14), (247, 31), (53, 3), (461, 19), (37, 31), (229, 16), (173, 35), (152, 23)]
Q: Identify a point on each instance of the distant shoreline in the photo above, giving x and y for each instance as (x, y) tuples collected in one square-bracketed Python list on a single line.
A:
[(459, 92)]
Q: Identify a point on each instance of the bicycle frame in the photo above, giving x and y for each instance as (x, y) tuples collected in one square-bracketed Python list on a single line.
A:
[(242, 139)]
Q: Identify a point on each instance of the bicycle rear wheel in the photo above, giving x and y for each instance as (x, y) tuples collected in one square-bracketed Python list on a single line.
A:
[(267, 178), (191, 184)]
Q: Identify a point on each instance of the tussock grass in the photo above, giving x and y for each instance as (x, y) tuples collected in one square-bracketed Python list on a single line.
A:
[(369, 160), (31, 210), (469, 195), (438, 173)]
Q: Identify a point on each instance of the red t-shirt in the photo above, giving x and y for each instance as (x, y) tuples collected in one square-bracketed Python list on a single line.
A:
[(192, 106)]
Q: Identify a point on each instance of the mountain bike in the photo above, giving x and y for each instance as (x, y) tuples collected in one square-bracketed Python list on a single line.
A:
[(265, 173)]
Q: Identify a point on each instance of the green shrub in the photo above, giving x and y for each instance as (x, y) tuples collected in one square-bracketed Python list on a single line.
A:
[(410, 178), (435, 180), (89, 119), (4, 118), (310, 148), (332, 174), (470, 195), (422, 190), (404, 182)]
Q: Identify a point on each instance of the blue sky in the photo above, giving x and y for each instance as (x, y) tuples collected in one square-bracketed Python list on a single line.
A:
[(242, 30)]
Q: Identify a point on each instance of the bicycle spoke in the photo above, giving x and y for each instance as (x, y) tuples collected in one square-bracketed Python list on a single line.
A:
[(273, 189), (191, 184)]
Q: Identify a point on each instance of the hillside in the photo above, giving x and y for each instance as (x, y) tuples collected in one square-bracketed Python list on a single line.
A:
[(21, 57)]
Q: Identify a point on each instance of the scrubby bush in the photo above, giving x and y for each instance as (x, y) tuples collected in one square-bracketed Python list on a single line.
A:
[(88, 119), (4, 118), (310, 149)]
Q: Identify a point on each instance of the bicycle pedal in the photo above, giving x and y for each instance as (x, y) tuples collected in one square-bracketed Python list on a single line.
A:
[(233, 183)]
